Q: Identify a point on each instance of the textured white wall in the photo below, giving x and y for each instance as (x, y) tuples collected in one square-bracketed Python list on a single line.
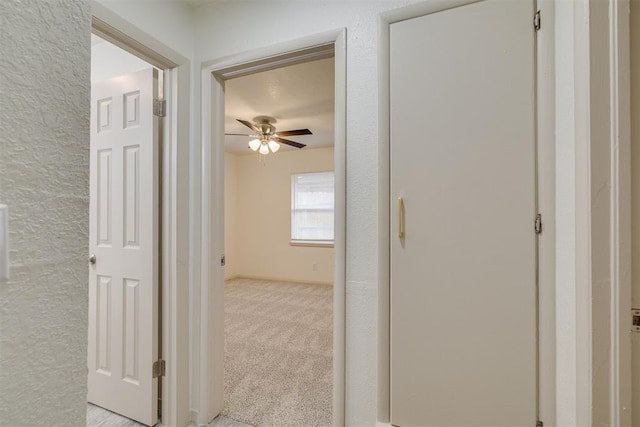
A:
[(262, 218), (44, 178), (232, 27)]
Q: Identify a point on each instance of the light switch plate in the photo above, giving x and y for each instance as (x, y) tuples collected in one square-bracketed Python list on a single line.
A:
[(4, 243)]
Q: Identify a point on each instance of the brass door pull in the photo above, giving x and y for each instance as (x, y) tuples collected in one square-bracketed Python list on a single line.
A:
[(400, 217)]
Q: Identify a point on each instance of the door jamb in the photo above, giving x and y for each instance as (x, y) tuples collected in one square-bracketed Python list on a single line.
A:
[(545, 127), (607, 182), (211, 329), (174, 206), (620, 131)]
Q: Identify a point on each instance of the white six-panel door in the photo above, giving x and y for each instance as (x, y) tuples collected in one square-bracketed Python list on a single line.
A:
[(123, 281), (463, 277)]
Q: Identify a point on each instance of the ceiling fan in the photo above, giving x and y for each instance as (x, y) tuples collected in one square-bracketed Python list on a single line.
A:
[(266, 138)]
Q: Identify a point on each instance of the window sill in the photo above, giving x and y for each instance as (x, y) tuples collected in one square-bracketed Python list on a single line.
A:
[(312, 243)]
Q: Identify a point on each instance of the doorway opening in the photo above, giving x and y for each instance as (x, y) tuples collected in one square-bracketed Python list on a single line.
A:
[(125, 334), (279, 238), (170, 212), (216, 76)]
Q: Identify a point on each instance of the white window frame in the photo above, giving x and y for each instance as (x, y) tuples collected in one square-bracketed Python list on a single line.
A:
[(309, 242)]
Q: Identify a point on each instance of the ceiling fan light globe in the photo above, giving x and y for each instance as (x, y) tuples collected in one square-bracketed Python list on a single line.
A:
[(254, 144), (274, 146), (264, 149)]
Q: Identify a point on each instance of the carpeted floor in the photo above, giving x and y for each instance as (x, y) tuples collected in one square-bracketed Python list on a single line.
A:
[(278, 353)]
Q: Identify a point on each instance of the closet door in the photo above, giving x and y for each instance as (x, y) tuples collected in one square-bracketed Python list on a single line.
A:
[(463, 185)]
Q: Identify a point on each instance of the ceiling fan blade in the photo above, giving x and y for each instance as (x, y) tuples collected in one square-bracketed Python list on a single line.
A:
[(294, 132), (286, 141), (240, 134), (249, 125)]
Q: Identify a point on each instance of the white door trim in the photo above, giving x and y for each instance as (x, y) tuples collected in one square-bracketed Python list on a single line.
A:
[(601, 123), (546, 201), (609, 186), (620, 131), (174, 205), (210, 321), (593, 112)]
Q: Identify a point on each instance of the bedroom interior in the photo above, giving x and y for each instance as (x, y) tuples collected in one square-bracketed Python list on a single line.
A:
[(278, 288)]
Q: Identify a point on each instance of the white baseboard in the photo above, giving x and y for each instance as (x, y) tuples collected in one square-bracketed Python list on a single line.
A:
[(279, 279), (194, 416)]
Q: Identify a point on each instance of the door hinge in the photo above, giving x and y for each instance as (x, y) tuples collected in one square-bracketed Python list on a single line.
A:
[(538, 224), (160, 107), (635, 320), (536, 21), (223, 260), (159, 368), (539, 424)]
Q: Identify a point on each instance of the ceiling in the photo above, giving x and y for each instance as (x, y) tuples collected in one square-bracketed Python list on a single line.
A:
[(298, 96)]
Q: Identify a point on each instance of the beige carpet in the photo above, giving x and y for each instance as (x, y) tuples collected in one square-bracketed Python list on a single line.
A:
[(278, 353)]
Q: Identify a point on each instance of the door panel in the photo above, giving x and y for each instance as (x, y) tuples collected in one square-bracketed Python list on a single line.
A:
[(123, 285), (463, 289)]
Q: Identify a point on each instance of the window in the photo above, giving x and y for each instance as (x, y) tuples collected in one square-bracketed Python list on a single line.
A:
[(312, 200)]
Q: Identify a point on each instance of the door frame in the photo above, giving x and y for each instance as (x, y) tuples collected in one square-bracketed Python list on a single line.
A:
[(545, 169), (606, 210), (568, 101), (593, 121), (210, 322), (174, 212)]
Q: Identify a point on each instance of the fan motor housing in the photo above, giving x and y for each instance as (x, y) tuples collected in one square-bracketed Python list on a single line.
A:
[(267, 129)]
